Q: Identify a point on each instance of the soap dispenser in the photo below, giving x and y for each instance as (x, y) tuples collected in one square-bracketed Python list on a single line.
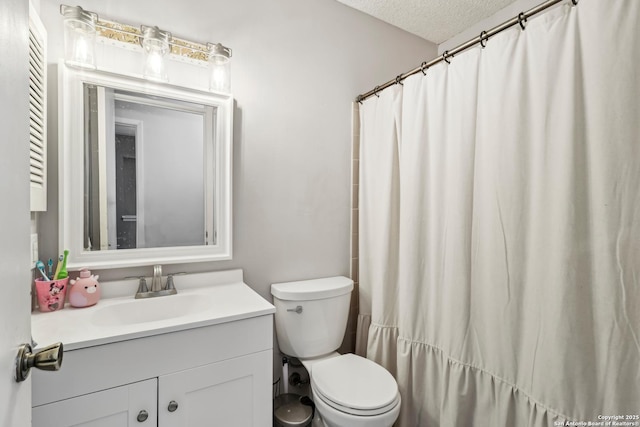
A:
[(85, 290)]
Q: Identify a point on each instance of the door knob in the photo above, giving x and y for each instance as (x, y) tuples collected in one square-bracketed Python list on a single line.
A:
[(47, 359), (173, 405)]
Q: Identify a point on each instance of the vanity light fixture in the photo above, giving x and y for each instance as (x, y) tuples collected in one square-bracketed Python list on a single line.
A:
[(82, 27), (79, 36), (220, 67), (155, 44)]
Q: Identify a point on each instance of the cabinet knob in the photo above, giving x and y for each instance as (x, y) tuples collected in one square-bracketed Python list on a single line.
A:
[(173, 405), (142, 416)]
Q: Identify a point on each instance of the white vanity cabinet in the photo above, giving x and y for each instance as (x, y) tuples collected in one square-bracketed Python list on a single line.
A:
[(228, 393), (217, 375), (221, 394), (115, 407)]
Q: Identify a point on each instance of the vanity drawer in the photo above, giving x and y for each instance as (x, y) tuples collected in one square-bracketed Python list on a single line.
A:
[(92, 369)]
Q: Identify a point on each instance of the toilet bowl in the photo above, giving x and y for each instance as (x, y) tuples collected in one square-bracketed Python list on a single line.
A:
[(348, 390)]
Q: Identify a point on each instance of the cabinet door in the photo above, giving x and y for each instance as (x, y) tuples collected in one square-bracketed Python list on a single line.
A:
[(116, 407), (231, 393)]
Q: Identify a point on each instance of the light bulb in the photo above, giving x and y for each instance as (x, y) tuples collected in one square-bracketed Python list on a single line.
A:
[(220, 65), (155, 44), (79, 36)]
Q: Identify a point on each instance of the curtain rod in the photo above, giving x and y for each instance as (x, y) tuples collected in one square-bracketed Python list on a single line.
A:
[(481, 39)]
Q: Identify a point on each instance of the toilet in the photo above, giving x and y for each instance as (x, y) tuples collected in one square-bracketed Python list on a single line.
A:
[(348, 390)]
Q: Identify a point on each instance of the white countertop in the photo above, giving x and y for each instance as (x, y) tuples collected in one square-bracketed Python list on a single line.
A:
[(213, 301)]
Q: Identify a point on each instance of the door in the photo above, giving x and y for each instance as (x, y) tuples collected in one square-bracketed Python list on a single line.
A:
[(126, 406), (15, 399), (126, 195), (231, 393)]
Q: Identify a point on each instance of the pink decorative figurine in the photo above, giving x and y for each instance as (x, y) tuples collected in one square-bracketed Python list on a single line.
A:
[(85, 290)]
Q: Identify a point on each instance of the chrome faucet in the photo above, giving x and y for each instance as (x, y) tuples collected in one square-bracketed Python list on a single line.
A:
[(156, 282), (157, 290)]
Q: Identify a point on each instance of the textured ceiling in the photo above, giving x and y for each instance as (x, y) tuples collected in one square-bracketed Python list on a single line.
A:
[(434, 20)]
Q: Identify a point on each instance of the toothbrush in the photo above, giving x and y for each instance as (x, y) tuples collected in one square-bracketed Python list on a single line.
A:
[(40, 267), (63, 270), (58, 267), (50, 265)]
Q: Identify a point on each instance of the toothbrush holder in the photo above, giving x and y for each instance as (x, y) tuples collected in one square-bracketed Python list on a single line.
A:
[(51, 293)]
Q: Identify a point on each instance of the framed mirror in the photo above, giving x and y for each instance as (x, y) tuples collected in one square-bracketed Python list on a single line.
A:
[(144, 172)]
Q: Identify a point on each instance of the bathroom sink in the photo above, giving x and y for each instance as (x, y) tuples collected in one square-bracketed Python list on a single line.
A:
[(150, 310), (203, 299)]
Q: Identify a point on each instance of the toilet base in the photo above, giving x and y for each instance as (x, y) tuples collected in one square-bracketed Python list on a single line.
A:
[(317, 421), (327, 416), (330, 417)]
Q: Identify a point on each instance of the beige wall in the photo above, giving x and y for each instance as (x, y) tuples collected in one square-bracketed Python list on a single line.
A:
[(350, 337)]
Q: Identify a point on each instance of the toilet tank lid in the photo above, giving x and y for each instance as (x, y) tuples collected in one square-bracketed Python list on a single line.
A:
[(306, 290)]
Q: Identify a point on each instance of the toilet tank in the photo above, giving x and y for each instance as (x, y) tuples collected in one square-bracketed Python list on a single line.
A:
[(311, 315)]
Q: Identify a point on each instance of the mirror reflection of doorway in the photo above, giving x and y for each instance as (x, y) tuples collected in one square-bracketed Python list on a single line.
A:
[(126, 198)]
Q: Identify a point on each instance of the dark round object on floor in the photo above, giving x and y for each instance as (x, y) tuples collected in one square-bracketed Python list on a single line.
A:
[(288, 411)]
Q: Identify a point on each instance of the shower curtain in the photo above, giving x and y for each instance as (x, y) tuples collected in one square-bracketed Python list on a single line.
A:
[(499, 227)]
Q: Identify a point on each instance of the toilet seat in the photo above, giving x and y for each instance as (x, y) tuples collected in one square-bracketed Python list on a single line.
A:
[(355, 385), (358, 412)]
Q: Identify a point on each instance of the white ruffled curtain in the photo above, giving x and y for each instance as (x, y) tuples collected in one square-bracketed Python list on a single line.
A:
[(500, 226)]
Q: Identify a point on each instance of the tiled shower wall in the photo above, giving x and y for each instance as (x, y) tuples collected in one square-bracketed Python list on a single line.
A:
[(348, 345)]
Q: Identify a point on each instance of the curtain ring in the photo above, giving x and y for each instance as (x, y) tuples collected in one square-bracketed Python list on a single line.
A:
[(575, 2), (483, 39), (445, 57), (399, 80), (422, 66), (375, 91), (359, 99), (522, 20)]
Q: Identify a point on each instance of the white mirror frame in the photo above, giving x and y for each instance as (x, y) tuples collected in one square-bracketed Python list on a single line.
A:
[(71, 173)]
